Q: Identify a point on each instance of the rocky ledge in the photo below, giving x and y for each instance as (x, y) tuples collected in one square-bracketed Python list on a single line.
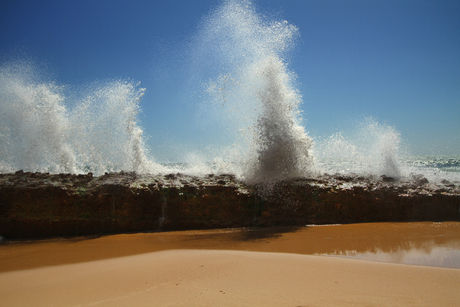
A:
[(38, 205)]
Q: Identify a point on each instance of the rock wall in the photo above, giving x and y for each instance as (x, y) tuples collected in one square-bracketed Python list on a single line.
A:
[(36, 205)]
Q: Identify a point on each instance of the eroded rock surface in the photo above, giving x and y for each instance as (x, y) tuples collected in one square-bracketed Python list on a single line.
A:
[(44, 205)]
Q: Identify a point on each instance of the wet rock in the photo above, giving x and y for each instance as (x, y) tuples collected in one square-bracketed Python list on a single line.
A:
[(42, 205), (345, 178), (387, 178), (447, 183), (419, 179)]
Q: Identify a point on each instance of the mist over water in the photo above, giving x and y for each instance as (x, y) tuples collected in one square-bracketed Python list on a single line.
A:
[(241, 68)]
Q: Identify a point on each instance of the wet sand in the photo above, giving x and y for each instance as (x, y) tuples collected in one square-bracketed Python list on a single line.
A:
[(345, 240), (233, 267)]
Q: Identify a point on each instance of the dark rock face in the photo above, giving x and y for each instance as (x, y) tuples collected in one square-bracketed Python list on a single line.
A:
[(34, 205)]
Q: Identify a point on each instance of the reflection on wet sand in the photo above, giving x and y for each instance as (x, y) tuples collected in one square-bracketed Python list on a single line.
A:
[(421, 243), (439, 256)]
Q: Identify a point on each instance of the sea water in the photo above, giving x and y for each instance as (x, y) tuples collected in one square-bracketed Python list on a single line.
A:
[(245, 78)]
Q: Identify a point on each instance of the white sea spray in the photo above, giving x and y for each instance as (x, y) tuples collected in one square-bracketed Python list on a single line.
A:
[(255, 90), (40, 132)]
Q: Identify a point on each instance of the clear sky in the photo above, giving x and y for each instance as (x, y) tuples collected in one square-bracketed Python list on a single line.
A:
[(395, 61)]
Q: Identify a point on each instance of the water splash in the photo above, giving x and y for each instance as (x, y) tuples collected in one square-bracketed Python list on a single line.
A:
[(283, 147), (38, 131), (110, 138), (34, 125), (372, 149), (240, 59), (253, 91)]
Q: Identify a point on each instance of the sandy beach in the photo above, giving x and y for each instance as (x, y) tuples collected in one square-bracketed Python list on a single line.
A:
[(231, 278), (231, 267)]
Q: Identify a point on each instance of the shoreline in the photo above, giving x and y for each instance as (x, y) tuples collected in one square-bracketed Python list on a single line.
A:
[(422, 243)]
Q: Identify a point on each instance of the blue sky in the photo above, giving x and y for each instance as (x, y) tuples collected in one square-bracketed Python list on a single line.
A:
[(396, 61)]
